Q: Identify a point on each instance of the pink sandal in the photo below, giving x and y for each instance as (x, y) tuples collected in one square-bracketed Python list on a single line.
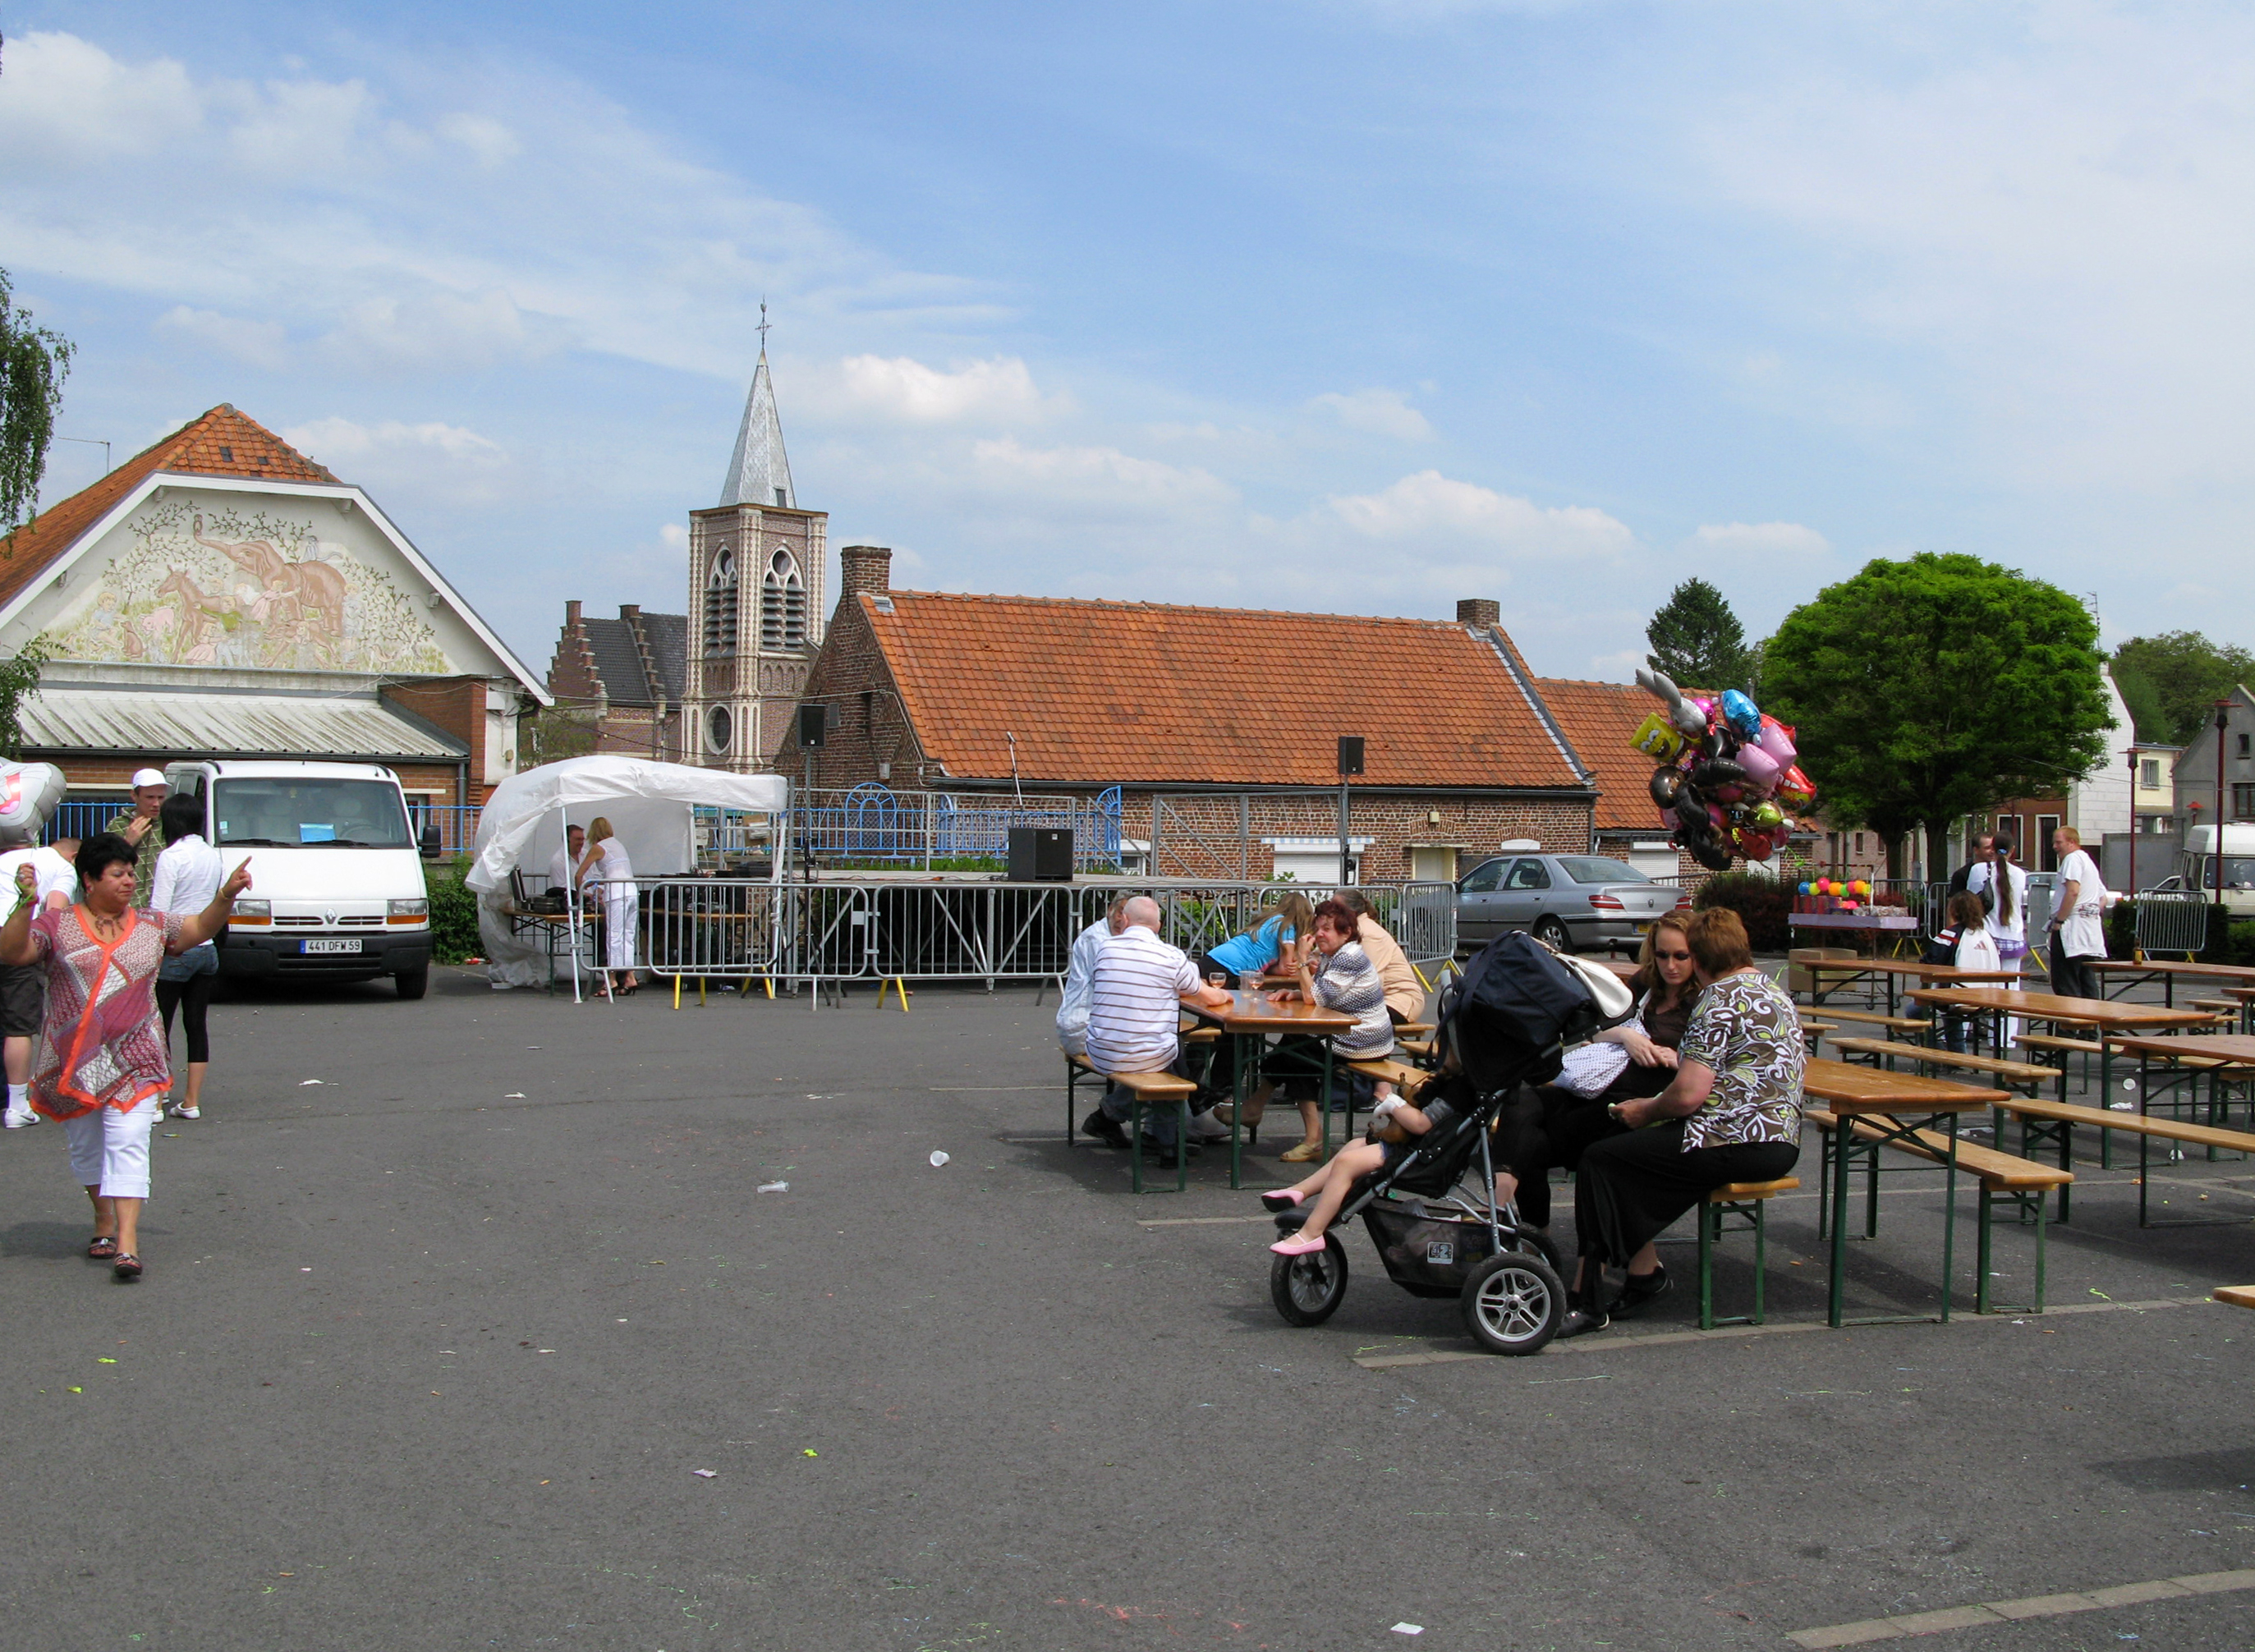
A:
[(1282, 1198), (1299, 1245)]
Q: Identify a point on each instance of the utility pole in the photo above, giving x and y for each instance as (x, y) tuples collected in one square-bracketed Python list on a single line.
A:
[(2223, 722), (1350, 764)]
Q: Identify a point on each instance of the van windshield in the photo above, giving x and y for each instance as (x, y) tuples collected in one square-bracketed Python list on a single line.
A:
[(2238, 871), (311, 814)]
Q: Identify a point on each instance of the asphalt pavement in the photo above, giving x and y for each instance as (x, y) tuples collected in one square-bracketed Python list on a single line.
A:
[(465, 1326)]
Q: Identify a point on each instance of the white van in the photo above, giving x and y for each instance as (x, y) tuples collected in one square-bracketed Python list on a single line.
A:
[(337, 888), (2198, 868)]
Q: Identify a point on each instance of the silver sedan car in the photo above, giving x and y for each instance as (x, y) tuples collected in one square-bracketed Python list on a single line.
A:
[(1571, 901)]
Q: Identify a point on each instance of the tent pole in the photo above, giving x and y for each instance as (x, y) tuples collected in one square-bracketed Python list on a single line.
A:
[(571, 895)]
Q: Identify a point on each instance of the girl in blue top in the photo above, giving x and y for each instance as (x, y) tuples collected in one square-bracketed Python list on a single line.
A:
[(1290, 923)]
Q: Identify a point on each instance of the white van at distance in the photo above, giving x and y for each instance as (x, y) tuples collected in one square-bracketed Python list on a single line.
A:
[(336, 884)]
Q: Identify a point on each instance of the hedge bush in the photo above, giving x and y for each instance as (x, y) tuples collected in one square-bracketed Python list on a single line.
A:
[(1763, 905), (454, 912)]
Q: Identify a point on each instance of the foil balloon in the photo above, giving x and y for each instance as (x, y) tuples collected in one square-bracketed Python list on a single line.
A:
[(1742, 714), (1777, 740), (1795, 789), (1688, 719), (1767, 816), (1717, 771), (29, 793), (1666, 785), (1762, 770)]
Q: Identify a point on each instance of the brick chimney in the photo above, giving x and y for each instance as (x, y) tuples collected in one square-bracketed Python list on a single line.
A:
[(864, 567), (1479, 612), (630, 611), (571, 617)]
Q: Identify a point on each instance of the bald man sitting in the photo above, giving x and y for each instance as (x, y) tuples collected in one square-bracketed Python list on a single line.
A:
[(1136, 992)]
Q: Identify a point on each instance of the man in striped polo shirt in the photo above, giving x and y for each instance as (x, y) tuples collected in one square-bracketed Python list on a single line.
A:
[(1137, 993)]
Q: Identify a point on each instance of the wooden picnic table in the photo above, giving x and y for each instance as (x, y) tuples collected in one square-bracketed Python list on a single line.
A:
[(1897, 1106), (1893, 971), (1250, 1019), (2246, 997), (2134, 970), (2221, 1057)]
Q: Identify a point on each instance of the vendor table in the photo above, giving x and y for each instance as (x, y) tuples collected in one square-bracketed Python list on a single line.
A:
[(1893, 972), (1897, 1105), (2134, 970), (1250, 1019), (1904, 928)]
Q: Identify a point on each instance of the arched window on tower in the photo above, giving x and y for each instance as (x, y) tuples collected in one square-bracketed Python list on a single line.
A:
[(720, 604), (783, 611)]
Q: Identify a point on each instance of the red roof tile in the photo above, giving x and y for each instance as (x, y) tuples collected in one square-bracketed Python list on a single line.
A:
[(1139, 693), (1598, 719), (222, 443)]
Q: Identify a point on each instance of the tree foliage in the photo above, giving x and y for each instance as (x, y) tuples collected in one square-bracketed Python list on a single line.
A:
[(1931, 689), (33, 363), (2172, 682), (1697, 641), (18, 677)]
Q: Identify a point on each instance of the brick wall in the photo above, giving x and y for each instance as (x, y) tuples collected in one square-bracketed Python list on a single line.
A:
[(456, 705), (1393, 821), (867, 729)]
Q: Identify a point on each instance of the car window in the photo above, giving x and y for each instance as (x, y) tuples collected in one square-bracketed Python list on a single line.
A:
[(1528, 875), (1481, 878), (1598, 869)]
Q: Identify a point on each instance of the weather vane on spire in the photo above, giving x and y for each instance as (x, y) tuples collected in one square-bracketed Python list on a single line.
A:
[(764, 327)]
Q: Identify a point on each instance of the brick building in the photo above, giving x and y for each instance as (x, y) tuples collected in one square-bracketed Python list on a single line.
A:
[(997, 694), (221, 595), (626, 679)]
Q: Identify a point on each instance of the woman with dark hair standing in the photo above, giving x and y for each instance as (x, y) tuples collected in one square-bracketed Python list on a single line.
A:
[(189, 873), (102, 1057)]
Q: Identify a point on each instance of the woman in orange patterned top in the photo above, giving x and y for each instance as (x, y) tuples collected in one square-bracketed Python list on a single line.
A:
[(102, 1064)]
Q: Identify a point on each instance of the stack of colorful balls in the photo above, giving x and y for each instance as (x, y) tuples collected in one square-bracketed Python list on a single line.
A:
[(1849, 892)]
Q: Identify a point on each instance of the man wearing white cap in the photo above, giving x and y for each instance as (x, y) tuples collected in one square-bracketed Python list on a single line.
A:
[(137, 826)]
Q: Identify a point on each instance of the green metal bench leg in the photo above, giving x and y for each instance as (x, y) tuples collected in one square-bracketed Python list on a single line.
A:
[(1756, 1215)]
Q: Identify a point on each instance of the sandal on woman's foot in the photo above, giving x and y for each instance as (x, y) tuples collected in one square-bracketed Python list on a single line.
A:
[(127, 1266), (1299, 1245), (1282, 1198), (101, 1247), (1306, 1153)]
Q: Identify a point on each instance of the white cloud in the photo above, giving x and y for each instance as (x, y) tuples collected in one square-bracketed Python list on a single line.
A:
[(263, 344), (1103, 478), (902, 389), (1762, 539), (674, 537), (1432, 508), (439, 462), (465, 215), (1378, 413)]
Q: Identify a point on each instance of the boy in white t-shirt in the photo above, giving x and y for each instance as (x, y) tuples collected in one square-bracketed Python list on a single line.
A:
[(2078, 923)]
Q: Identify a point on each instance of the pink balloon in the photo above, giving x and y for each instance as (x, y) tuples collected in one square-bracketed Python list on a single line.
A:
[(1777, 743), (1763, 768)]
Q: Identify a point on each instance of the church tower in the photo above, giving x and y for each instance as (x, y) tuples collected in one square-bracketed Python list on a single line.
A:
[(756, 602)]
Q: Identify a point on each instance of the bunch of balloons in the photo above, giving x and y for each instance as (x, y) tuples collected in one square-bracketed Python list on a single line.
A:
[(1847, 887), (1727, 774)]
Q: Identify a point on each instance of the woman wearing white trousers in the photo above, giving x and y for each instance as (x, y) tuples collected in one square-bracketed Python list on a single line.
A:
[(606, 862)]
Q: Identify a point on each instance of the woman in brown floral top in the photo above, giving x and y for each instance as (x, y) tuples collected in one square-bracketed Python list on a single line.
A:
[(1732, 1113)]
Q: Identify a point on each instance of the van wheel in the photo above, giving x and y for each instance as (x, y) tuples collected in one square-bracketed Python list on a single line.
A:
[(413, 983)]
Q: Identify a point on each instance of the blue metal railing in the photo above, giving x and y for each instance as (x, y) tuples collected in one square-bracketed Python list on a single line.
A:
[(874, 823)]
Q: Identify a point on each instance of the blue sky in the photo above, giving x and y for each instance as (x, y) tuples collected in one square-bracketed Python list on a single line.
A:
[(1359, 307)]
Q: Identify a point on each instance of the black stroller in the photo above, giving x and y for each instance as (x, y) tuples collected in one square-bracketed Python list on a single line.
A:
[(1503, 1024)]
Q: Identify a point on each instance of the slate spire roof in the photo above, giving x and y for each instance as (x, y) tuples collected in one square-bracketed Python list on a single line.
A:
[(758, 472)]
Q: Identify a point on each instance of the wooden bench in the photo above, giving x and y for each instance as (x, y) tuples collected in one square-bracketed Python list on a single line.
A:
[(1406, 1078), (1746, 1202), (2235, 1295), (1874, 1018), (2230, 1007), (2001, 1175), (2056, 1120), (1421, 1051), (1154, 1089), (2020, 1074)]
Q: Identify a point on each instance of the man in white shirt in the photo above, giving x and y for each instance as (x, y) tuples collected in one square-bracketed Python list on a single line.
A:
[(559, 869), (2078, 922), (1137, 987), (1072, 1008), (23, 986)]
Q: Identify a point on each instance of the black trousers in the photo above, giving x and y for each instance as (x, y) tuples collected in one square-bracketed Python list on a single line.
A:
[(191, 997), (2069, 977), (1632, 1187), (1549, 1128)]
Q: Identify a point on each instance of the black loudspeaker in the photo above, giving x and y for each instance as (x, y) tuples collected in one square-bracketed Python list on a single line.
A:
[(1350, 754), (1041, 854), (812, 723)]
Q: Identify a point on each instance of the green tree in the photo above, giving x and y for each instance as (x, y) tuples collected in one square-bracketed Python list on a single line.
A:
[(18, 677), (1928, 690), (1697, 641), (33, 363), (2171, 682)]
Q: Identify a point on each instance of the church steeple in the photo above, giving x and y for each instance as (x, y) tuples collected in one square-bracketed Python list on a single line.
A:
[(758, 471)]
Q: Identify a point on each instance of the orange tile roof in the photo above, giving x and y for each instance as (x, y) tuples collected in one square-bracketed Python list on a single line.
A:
[(1597, 719), (222, 443), (1137, 693)]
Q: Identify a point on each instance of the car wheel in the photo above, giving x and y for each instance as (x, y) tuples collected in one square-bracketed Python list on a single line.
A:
[(1551, 933)]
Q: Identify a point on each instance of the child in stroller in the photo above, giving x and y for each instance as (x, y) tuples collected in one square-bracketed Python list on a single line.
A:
[(1392, 1122)]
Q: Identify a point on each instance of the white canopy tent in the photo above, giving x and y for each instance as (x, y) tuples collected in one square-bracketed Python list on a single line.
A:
[(651, 807)]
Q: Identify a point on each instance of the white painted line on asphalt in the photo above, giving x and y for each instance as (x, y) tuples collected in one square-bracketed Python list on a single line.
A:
[(1776, 1328), (1197, 1221), (2047, 1606)]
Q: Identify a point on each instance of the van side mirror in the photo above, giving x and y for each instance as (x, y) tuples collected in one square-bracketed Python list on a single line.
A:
[(429, 845)]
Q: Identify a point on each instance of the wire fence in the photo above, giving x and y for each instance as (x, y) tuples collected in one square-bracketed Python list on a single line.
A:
[(742, 928), (874, 825)]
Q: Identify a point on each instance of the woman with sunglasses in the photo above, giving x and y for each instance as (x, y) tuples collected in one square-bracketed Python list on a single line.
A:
[(1554, 1123)]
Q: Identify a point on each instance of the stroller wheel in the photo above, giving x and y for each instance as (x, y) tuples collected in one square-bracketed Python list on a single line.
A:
[(1514, 1304), (1308, 1289)]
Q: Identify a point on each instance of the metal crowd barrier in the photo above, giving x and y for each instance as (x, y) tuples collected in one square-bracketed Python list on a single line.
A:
[(2175, 921), (709, 928)]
